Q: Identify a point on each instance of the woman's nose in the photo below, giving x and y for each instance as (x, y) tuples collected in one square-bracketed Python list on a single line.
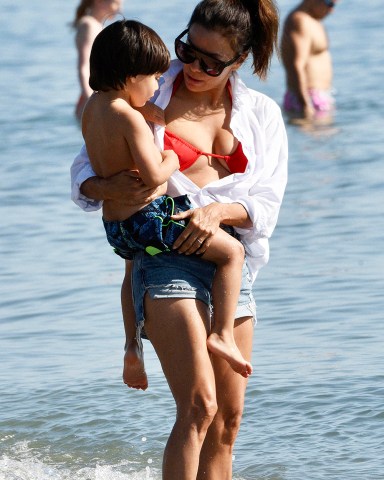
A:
[(195, 65)]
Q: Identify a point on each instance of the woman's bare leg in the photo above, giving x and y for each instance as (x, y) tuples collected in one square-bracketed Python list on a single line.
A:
[(228, 255), (134, 374), (177, 328), (217, 450)]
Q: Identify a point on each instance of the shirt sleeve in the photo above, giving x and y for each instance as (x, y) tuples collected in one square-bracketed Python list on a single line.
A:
[(263, 198), (81, 170)]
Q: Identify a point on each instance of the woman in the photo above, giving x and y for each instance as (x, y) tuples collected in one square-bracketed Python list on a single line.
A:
[(208, 110), (88, 22)]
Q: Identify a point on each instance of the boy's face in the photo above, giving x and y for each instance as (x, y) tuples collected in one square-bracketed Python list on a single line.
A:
[(142, 88)]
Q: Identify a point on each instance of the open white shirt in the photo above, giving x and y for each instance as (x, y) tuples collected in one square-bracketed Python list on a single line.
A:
[(257, 123)]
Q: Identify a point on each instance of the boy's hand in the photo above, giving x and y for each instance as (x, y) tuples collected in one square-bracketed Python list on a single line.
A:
[(171, 157)]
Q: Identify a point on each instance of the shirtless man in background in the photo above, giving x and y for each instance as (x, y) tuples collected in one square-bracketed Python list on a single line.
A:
[(307, 61)]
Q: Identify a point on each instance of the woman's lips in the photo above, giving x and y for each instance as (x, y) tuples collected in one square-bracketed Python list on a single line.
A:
[(193, 81)]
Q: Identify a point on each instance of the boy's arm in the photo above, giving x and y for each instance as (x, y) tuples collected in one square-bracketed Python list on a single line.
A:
[(152, 113), (154, 167)]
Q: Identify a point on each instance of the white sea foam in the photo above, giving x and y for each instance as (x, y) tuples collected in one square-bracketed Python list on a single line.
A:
[(32, 468)]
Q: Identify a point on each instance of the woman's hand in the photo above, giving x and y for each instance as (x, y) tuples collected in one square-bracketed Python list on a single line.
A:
[(203, 224), (125, 187), (128, 188)]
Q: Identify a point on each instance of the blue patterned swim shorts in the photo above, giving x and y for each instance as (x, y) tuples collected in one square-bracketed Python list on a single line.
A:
[(151, 229)]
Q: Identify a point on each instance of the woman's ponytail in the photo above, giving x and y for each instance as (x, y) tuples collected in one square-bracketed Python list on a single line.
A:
[(264, 33)]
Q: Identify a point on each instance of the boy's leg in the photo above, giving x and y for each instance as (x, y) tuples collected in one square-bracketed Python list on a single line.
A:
[(228, 255), (134, 375)]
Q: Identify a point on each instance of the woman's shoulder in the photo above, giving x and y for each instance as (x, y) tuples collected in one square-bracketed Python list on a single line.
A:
[(88, 25), (87, 20)]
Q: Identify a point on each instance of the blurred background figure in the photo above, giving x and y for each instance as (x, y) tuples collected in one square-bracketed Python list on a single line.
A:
[(88, 22), (307, 62)]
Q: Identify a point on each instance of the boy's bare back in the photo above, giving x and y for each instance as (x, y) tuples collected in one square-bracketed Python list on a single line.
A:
[(115, 134), (109, 126)]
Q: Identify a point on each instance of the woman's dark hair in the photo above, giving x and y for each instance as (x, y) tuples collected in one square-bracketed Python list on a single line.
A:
[(250, 25), (125, 48)]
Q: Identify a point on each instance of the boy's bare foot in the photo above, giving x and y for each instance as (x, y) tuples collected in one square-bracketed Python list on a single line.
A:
[(134, 374), (229, 351)]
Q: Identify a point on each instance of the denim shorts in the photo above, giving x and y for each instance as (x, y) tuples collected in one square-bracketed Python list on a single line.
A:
[(171, 275)]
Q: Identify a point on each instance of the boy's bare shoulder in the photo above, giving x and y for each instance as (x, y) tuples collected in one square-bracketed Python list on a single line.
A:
[(126, 115)]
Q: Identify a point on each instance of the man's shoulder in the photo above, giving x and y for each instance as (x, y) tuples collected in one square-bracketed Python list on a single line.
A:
[(298, 20)]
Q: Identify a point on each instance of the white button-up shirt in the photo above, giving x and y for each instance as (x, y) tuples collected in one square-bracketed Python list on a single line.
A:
[(257, 123)]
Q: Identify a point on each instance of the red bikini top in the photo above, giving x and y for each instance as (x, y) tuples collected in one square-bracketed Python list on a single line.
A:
[(188, 154)]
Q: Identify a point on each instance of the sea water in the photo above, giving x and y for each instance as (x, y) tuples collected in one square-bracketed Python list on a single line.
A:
[(314, 406)]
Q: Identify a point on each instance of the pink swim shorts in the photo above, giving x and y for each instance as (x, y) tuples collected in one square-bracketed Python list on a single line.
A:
[(322, 101)]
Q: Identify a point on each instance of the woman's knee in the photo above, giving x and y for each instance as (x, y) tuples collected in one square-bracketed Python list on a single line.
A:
[(200, 412), (228, 424)]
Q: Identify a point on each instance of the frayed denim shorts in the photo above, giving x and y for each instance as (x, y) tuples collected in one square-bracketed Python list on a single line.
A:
[(171, 275)]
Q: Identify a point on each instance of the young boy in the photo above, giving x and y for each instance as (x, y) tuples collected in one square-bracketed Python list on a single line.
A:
[(126, 61)]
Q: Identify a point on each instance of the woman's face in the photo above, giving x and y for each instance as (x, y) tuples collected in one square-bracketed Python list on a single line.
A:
[(216, 46)]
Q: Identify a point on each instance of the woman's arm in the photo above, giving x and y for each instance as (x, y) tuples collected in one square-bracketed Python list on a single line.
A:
[(81, 170), (204, 223), (85, 35), (264, 197), (89, 191), (124, 187)]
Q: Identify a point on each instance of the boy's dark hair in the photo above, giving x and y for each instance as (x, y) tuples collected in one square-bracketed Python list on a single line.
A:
[(125, 48)]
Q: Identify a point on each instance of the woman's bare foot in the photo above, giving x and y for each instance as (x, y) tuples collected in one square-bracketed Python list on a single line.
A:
[(134, 374), (228, 351)]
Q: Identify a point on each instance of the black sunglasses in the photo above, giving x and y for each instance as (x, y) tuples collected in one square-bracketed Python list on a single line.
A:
[(188, 53), (329, 3)]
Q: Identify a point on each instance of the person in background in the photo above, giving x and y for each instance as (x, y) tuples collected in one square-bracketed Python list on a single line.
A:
[(307, 62), (232, 148), (88, 22)]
